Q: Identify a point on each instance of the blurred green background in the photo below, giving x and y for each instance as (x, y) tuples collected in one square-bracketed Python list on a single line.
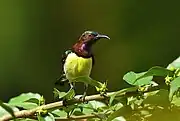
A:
[(34, 34)]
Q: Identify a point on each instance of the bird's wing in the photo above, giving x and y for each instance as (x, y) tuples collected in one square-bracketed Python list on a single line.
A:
[(93, 59), (64, 56), (62, 78)]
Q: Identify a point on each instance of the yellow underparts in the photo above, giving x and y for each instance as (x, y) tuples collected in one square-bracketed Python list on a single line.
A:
[(76, 66)]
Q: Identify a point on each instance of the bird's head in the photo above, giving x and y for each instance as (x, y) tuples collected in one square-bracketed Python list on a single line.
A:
[(91, 37), (86, 40)]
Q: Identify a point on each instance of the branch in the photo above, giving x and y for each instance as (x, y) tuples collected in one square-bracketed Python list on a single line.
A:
[(30, 113)]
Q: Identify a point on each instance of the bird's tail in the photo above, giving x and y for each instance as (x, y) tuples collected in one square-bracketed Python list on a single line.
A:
[(61, 80)]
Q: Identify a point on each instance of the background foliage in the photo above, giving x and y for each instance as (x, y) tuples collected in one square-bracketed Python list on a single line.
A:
[(143, 101), (33, 34)]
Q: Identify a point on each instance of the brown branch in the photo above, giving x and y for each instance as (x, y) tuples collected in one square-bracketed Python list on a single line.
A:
[(30, 113)]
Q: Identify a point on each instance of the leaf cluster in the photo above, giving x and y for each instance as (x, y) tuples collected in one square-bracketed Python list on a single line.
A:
[(146, 99)]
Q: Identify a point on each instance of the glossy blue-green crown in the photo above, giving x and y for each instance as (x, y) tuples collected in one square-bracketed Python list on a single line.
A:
[(91, 32)]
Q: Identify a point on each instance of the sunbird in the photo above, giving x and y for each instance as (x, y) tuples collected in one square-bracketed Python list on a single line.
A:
[(79, 60)]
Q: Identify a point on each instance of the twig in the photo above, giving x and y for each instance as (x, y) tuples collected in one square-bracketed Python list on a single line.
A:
[(30, 113)]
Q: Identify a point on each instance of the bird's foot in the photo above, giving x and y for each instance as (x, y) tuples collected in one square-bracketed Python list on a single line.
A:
[(65, 103), (83, 99)]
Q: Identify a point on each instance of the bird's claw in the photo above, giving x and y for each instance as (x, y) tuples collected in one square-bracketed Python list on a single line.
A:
[(64, 102), (83, 99)]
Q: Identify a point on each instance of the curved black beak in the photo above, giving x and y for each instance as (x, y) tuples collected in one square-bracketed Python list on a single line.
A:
[(99, 36)]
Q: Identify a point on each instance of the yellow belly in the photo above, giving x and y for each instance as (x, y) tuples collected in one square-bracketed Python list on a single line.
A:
[(76, 66)]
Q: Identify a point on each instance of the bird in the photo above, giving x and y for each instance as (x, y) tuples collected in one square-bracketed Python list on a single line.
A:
[(79, 59)]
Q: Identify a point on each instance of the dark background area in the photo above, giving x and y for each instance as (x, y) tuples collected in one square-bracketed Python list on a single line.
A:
[(34, 34)]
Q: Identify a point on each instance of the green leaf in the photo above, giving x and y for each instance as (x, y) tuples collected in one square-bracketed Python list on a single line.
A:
[(100, 87), (134, 102), (97, 104), (58, 94), (144, 112), (49, 117), (83, 109), (175, 100), (174, 86), (64, 95), (70, 94), (26, 105), (40, 118), (33, 100), (77, 112), (121, 92), (25, 119), (102, 116), (175, 64), (22, 100), (86, 108), (156, 71), (117, 106), (146, 77), (126, 110), (59, 113), (24, 97), (69, 109), (159, 97), (5, 108), (121, 118), (88, 80), (132, 77), (95, 119)]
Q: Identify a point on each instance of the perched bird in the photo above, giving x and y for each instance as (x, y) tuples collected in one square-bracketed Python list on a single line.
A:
[(78, 60)]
